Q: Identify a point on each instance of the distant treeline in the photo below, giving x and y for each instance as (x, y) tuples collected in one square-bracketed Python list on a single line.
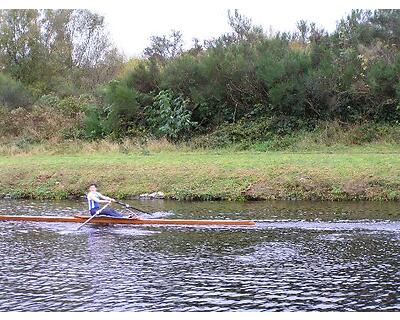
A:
[(248, 80)]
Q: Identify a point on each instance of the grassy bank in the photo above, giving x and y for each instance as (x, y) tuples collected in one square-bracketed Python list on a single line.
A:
[(338, 173)]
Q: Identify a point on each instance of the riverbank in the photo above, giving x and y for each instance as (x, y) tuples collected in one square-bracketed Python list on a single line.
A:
[(367, 173)]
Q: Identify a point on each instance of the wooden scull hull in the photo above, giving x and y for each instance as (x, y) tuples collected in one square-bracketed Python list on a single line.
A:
[(110, 220)]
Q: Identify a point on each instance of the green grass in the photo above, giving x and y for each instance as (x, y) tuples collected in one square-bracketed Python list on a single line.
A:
[(349, 173)]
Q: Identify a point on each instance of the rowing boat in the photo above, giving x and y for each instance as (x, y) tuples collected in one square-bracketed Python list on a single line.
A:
[(111, 220)]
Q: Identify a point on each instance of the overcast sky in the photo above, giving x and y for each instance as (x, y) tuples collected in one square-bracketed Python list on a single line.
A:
[(131, 29), (131, 23)]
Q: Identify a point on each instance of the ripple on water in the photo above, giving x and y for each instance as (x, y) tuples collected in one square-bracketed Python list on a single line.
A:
[(276, 266)]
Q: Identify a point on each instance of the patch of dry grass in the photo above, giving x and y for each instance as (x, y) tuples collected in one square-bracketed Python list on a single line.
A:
[(81, 147)]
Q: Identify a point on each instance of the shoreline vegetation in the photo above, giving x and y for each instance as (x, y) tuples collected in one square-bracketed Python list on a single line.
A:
[(332, 173), (249, 115)]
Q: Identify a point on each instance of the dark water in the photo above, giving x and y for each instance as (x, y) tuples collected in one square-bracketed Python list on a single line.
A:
[(301, 256)]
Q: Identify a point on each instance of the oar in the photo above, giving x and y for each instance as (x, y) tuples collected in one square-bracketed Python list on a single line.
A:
[(97, 213), (127, 206)]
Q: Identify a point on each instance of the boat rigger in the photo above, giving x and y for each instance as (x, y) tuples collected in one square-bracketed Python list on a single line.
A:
[(111, 220)]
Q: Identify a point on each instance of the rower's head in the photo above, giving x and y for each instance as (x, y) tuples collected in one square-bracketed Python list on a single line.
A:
[(93, 187)]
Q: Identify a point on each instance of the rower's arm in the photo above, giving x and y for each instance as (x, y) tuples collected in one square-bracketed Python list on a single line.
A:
[(96, 199), (106, 198)]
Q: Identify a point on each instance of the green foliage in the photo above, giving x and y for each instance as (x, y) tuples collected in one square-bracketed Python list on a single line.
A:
[(306, 77), (169, 116), (39, 124), (93, 123), (267, 135), (284, 72), (71, 104), (248, 132), (244, 87), (165, 47), (56, 51), (12, 93), (250, 87), (121, 108), (143, 77)]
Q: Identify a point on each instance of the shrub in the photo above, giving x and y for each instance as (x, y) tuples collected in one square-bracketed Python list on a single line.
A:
[(13, 94), (121, 108), (169, 116), (66, 105), (245, 132), (39, 123), (93, 123)]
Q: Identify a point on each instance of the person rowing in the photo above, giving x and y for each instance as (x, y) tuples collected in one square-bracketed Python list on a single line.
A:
[(95, 198)]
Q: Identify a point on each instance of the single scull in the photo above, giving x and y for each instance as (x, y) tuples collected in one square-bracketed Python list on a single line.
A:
[(110, 220)]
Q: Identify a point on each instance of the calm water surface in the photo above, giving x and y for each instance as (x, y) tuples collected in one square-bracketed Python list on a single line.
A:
[(301, 256)]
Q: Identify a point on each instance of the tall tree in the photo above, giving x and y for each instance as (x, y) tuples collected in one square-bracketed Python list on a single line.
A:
[(56, 50), (20, 43)]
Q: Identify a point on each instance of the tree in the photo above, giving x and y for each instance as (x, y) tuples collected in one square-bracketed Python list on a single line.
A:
[(56, 50), (165, 47), (243, 30), (387, 25), (12, 93), (20, 44), (304, 30)]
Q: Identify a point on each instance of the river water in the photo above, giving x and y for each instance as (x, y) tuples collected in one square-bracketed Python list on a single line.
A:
[(300, 256)]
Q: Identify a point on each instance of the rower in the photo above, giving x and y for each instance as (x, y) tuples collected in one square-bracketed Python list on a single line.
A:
[(95, 198)]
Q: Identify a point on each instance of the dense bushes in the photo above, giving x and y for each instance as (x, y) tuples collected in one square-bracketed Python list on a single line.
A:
[(12, 93), (261, 135), (246, 86), (50, 118), (39, 124), (299, 79), (169, 116)]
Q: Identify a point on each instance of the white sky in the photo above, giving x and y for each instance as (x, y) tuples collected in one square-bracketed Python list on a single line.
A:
[(131, 29), (131, 23)]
